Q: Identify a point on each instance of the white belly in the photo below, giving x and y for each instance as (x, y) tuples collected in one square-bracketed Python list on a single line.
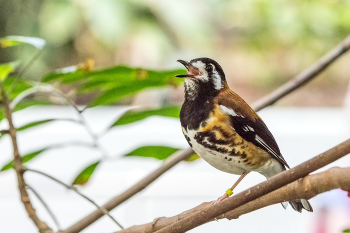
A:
[(223, 162)]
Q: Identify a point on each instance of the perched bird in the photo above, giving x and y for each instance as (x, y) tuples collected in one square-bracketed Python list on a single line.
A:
[(224, 130)]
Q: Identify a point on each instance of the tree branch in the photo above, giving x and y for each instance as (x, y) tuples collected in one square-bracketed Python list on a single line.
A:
[(298, 81), (169, 163), (304, 77), (260, 190), (45, 206), (308, 187), (103, 210), (17, 162)]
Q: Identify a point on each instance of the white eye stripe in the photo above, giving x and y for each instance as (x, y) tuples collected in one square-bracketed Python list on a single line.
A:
[(213, 67)]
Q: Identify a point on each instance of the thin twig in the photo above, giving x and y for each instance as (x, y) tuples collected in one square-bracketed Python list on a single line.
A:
[(304, 77), (139, 186), (30, 62), (306, 188), (308, 74), (47, 88), (17, 162), (104, 211), (259, 190), (45, 205), (25, 68)]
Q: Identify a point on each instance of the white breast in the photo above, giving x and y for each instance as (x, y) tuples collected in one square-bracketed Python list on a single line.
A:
[(223, 162)]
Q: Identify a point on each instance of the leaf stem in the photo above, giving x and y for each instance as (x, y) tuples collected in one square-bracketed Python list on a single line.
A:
[(102, 209)]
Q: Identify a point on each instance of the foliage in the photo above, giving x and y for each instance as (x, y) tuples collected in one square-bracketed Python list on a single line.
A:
[(261, 32), (116, 83), (158, 152), (85, 175), (108, 85)]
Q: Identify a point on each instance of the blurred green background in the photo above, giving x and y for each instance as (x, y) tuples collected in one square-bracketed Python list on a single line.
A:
[(260, 43)]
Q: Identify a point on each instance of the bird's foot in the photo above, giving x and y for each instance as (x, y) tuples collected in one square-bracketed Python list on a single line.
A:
[(220, 199)]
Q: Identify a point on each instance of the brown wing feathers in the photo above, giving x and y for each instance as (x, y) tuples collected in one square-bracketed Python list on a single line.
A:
[(248, 124)]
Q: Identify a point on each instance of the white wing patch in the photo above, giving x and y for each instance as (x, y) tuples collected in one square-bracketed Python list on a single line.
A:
[(248, 128), (228, 110)]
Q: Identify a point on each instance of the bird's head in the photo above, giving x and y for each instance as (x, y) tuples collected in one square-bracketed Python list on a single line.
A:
[(205, 77)]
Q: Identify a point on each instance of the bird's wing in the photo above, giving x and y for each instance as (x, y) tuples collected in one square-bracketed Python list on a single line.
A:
[(249, 125)]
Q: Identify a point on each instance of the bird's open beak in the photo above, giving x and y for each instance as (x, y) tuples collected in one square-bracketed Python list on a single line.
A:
[(192, 71)]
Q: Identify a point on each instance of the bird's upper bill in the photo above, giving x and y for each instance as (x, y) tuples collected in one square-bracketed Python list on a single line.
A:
[(192, 71)]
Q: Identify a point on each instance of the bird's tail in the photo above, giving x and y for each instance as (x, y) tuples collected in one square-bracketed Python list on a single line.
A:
[(298, 205)]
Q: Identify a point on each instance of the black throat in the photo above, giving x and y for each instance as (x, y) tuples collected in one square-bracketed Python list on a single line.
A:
[(197, 106)]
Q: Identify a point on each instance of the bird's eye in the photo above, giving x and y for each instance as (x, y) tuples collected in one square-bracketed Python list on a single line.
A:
[(209, 68)]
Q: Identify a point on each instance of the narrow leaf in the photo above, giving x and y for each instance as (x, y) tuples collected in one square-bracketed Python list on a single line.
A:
[(347, 230), (133, 115), (118, 93), (193, 158), (17, 85), (85, 175), (31, 103), (10, 41), (6, 69), (34, 124), (158, 152), (25, 159), (114, 84)]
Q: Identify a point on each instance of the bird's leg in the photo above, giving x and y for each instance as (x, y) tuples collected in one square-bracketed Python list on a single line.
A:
[(226, 195)]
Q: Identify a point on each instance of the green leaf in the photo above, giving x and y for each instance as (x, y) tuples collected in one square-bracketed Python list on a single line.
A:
[(10, 41), (113, 95), (32, 124), (16, 85), (114, 84), (25, 159), (31, 103), (158, 152), (6, 69), (133, 115), (347, 230), (85, 175), (193, 158)]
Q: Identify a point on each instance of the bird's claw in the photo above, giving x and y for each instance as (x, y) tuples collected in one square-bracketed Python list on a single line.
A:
[(220, 199)]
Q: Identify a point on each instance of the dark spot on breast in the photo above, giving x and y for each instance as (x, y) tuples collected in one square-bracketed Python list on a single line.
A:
[(239, 161), (246, 160), (224, 133), (230, 159), (188, 140), (225, 157), (244, 155)]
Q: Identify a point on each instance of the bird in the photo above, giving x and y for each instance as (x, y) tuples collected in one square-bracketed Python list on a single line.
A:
[(224, 130)]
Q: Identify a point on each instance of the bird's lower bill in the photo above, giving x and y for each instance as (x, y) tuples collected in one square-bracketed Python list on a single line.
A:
[(192, 71)]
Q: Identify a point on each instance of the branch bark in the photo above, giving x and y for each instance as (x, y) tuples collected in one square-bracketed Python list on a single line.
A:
[(77, 192), (298, 81), (169, 163), (304, 77), (308, 187), (259, 190), (18, 165)]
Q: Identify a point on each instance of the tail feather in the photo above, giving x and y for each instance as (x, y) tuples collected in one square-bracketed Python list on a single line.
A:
[(298, 205), (277, 167)]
